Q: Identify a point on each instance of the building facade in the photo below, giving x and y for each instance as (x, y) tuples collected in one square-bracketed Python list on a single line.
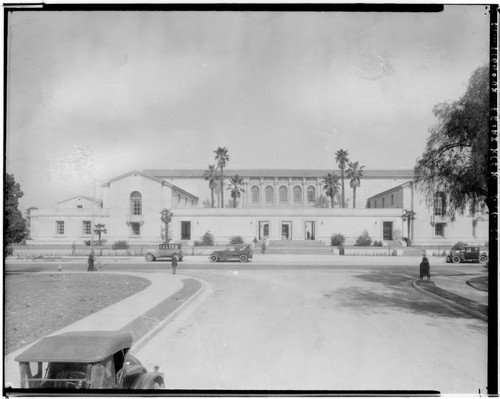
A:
[(278, 204)]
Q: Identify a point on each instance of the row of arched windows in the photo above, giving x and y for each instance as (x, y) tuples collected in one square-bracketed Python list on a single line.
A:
[(283, 197)]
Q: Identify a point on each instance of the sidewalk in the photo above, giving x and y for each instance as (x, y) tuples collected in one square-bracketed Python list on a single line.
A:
[(164, 285)]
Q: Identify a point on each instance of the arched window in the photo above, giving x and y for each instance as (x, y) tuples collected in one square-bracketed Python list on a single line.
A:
[(311, 194), (440, 204), (297, 195), (283, 195), (269, 195), (255, 194), (136, 203)]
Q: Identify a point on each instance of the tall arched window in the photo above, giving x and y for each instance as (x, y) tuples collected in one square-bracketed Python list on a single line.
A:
[(136, 203), (297, 195), (283, 195), (255, 194), (269, 195), (440, 204), (311, 194)]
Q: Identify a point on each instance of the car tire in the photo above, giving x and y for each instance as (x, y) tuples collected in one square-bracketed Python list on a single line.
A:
[(455, 259), (150, 258), (214, 258), (243, 258), (483, 259)]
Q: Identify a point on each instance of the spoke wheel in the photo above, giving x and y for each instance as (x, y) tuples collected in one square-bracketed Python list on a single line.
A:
[(243, 258), (150, 258), (455, 259), (214, 258)]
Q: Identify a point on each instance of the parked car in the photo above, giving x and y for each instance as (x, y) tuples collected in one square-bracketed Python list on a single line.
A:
[(467, 254), (165, 251), (241, 252), (85, 360)]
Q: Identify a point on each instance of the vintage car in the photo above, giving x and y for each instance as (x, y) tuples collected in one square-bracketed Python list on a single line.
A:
[(467, 254), (166, 251), (241, 252), (85, 360)]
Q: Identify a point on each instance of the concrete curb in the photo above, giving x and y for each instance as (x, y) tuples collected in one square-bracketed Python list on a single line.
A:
[(151, 334), (451, 303)]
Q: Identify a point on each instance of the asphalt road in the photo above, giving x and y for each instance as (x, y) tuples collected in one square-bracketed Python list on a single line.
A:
[(312, 327)]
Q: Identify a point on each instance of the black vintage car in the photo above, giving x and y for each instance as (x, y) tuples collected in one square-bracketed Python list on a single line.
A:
[(241, 252), (467, 254), (85, 360)]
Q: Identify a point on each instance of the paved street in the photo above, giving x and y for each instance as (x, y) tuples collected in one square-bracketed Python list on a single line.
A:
[(323, 329), (312, 326)]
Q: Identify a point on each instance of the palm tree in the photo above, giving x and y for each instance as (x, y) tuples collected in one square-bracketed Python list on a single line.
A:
[(341, 159), (236, 187), (211, 175), (355, 173), (222, 157), (100, 229), (166, 217), (331, 186)]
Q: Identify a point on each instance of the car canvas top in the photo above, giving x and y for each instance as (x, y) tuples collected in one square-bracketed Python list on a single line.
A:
[(79, 347)]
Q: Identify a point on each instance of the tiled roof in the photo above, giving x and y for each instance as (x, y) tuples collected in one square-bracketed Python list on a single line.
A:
[(198, 173)]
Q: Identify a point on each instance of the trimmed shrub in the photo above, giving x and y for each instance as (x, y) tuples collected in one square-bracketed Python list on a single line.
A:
[(207, 240), (120, 245), (364, 240), (337, 240), (236, 240), (378, 244), (459, 245), (95, 243)]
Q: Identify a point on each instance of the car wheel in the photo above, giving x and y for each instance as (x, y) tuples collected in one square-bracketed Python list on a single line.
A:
[(455, 259), (214, 258), (149, 258), (483, 259), (243, 258)]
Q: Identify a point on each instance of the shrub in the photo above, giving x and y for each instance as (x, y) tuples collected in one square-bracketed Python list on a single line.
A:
[(364, 240), (236, 240), (197, 243), (337, 240), (378, 244), (459, 245), (95, 243), (207, 239), (120, 245)]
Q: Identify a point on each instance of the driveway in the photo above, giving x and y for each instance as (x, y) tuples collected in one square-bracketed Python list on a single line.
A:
[(336, 328)]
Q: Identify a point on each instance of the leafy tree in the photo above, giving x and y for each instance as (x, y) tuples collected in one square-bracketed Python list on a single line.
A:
[(211, 175), (99, 229), (222, 157), (331, 186), (15, 230), (321, 201), (355, 173), (234, 240), (207, 239), (236, 187), (341, 159), (455, 159), (166, 217)]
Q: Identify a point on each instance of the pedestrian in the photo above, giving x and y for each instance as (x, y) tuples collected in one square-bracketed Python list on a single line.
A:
[(73, 248), (264, 246), (174, 264), (425, 268), (255, 242), (90, 261)]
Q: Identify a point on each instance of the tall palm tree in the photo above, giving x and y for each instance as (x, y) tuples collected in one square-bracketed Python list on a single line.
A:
[(166, 217), (355, 173), (236, 187), (211, 175), (331, 186), (222, 157), (341, 159)]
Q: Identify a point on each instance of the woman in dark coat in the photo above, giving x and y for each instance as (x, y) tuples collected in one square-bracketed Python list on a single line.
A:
[(425, 269)]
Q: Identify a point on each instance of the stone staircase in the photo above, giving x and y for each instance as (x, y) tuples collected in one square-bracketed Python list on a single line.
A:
[(309, 247)]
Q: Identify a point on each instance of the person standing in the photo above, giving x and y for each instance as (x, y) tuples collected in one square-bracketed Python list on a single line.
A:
[(90, 261), (174, 264), (425, 268)]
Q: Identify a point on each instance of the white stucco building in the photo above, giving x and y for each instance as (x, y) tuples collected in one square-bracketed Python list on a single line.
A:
[(281, 204)]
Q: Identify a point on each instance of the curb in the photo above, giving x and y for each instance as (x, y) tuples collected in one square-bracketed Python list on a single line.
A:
[(151, 334), (451, 303)]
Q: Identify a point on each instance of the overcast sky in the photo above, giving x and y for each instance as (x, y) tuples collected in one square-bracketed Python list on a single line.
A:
[(92, 95)]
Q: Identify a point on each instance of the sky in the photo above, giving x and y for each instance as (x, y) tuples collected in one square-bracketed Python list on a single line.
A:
[(93, 95)]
